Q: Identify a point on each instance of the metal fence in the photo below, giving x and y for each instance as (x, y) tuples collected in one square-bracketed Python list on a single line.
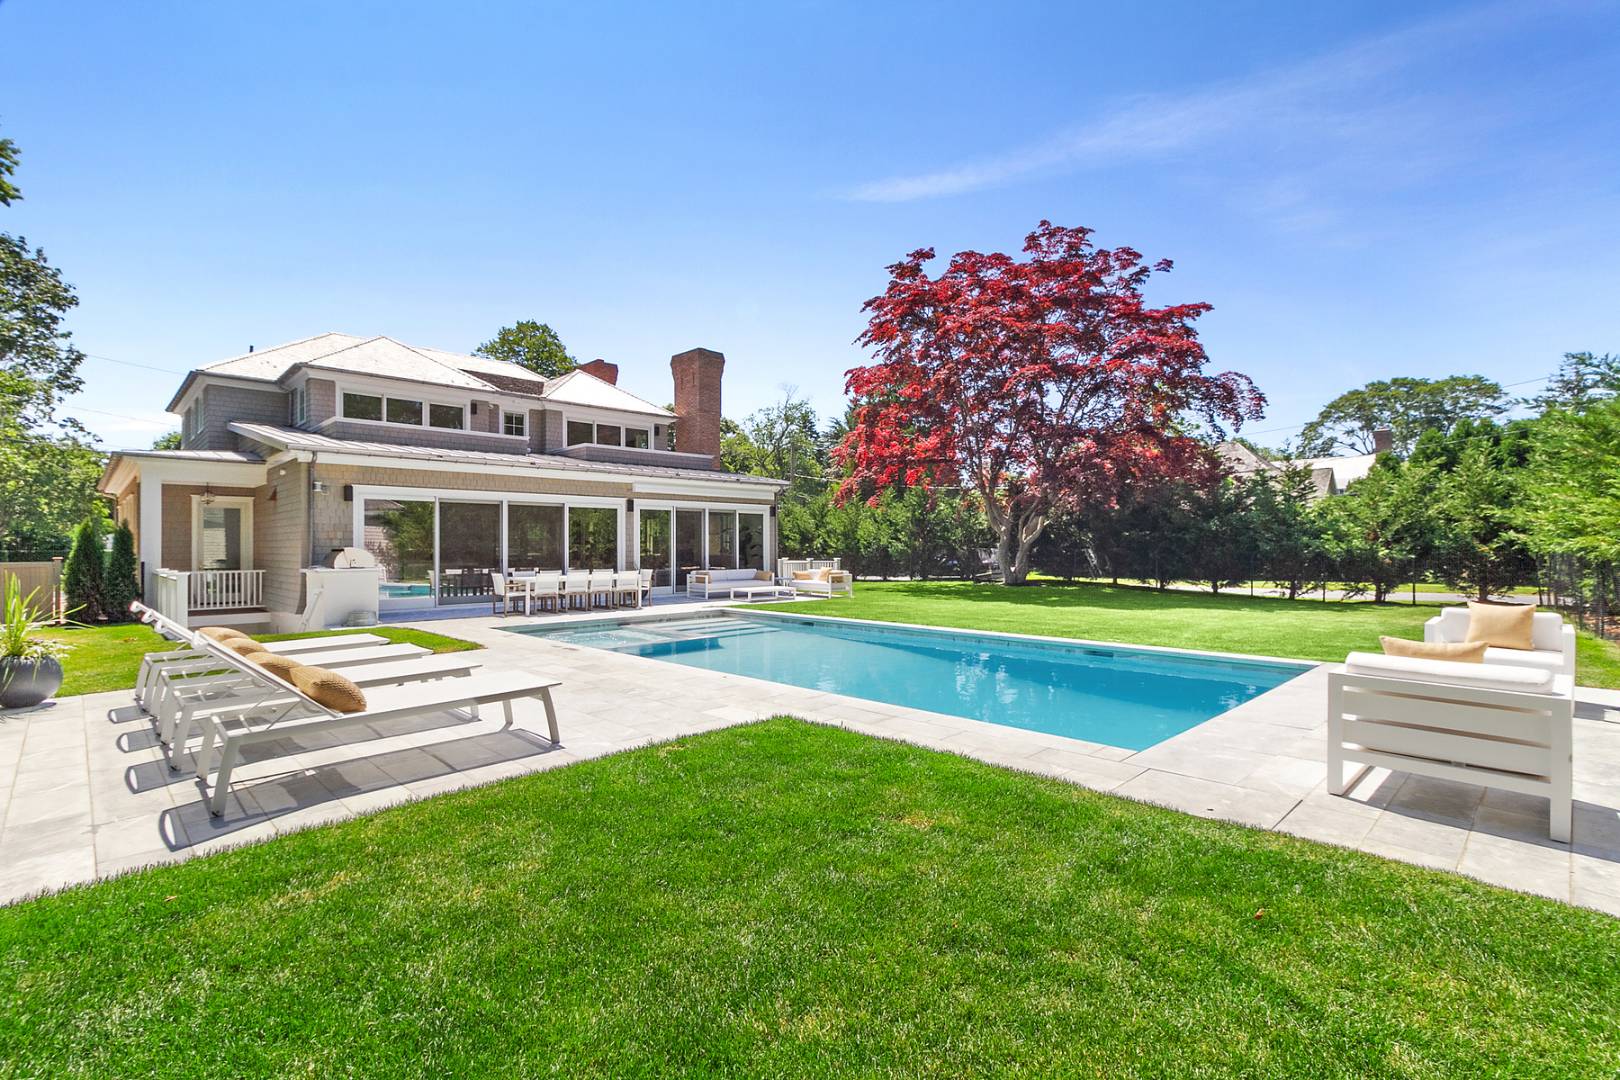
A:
[(1585, 591)]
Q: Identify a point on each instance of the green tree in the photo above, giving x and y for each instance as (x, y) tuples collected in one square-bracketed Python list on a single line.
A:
[(1286, 529), (1582, 380), (48, 468), (1407, 407), (530, 344), (83, 575), (1476, 548), (121, 585), (1570, 498), (1382, 529), (169, 441)]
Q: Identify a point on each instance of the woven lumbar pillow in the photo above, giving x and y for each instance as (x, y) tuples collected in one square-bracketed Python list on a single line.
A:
[(1506, 626), (762, 575), (804, 575), (220, 633), (1467, 652), (280, 666), (328, 688), (244, 646)]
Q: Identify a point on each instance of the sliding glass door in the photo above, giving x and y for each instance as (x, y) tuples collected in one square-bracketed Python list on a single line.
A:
[(593, 538), (656, 534), (751, 541), (469, 551), (688, 544), (399, 534), (534, 538)]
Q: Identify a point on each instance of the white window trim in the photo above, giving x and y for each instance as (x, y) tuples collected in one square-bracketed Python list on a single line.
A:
[(245, 503), (621, 425), (522, 417), (664, 506), (427, 403)]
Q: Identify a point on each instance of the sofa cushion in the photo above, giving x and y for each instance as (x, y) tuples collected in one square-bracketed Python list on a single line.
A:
[(329, 688), (1452, 673), (1504, 626), (1543, 659), (1467, 652), (804, 575)]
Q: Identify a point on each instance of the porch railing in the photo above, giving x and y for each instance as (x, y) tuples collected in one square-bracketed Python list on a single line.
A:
[(170, 589), (214, 590)]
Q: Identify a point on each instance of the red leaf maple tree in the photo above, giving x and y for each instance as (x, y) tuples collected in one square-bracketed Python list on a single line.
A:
[(1043, 383)]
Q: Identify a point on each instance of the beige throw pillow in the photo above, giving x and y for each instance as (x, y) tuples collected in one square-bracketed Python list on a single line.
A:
[(1467, 652), (804, 575), (280, 666), (244, 646), (221, 634), (1506, 626), (329, 688)]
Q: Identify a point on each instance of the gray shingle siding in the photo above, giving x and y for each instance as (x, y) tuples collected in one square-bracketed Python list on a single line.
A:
[(436, 437), (219, 404)]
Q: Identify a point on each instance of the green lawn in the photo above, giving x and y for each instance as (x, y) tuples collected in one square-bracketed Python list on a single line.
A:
[(791, 900), (108, 657), (1302, 629)]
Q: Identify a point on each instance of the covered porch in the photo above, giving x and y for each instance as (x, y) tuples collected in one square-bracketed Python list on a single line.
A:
[(203, 522)]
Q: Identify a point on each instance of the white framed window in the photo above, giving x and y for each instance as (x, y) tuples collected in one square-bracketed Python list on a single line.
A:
[(363, 407), (403, 411), (514, 423), (637, 438), (297, 407), (452, 417)]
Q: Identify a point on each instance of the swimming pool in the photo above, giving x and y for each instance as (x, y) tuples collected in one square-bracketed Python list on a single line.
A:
[(1119, 696)]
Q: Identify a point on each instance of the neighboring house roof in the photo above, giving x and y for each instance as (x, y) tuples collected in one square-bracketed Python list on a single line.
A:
[(1344, 469), (1329, 475), (284, 438), (388, 358)]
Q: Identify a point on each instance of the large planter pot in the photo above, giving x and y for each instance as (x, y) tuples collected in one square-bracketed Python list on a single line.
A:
[(28, 682)]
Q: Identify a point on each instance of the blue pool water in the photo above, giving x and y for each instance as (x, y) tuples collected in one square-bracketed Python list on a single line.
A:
[(1130, 698)]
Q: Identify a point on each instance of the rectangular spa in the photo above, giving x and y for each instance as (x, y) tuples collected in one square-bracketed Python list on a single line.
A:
[(1115, 695)]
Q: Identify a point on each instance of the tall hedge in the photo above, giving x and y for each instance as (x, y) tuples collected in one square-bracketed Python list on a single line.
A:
[(84, 576), (121, 586)]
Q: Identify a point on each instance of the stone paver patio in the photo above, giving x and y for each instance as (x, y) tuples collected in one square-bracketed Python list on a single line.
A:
[(85, 794)]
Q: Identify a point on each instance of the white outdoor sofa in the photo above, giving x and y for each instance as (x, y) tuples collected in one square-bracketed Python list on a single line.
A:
[(827, 583), (286, 712), (709, 583), (1490, 724), (1553, 640)]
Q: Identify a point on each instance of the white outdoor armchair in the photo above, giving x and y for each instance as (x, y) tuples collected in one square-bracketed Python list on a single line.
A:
[(1553, 638)]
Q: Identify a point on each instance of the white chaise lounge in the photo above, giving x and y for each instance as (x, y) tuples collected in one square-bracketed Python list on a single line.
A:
[(228, 732), (1552, 638), (238, 693), (1491, 724)]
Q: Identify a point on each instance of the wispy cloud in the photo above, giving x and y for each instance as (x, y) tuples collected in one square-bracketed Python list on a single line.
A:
[(1339, 97)]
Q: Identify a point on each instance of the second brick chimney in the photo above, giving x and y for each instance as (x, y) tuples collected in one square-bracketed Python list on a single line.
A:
[(697, 401), (608, 373)]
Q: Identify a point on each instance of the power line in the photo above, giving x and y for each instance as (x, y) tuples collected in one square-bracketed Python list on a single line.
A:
[(131, 363)]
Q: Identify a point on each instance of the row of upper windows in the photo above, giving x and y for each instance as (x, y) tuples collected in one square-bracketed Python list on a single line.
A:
[(581, 432), (412, 412)]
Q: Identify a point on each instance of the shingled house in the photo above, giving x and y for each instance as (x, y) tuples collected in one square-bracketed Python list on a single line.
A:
[(445, 467)]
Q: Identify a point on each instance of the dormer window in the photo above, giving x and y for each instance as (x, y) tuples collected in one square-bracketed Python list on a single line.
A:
[(453, 417), (515, 423), (363, 407), (404, 411)]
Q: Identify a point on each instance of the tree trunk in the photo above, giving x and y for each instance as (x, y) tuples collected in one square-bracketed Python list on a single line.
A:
[(1014, 542)]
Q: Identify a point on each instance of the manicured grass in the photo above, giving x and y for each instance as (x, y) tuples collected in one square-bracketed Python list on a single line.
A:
[(1302, 629), (108, 657), (790, 900)]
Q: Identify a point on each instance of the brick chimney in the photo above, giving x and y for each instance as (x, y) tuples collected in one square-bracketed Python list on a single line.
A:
[(697, 401), (608, 373), (1383, 440)]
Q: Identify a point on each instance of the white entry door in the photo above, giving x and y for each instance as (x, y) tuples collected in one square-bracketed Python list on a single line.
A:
[(222, 533)]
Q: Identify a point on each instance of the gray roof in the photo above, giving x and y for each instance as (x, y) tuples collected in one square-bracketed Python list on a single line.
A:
[(387, 358), (297, 439), (236, 456)]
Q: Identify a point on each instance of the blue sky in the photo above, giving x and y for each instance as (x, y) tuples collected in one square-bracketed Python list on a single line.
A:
[(1394, 189)]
